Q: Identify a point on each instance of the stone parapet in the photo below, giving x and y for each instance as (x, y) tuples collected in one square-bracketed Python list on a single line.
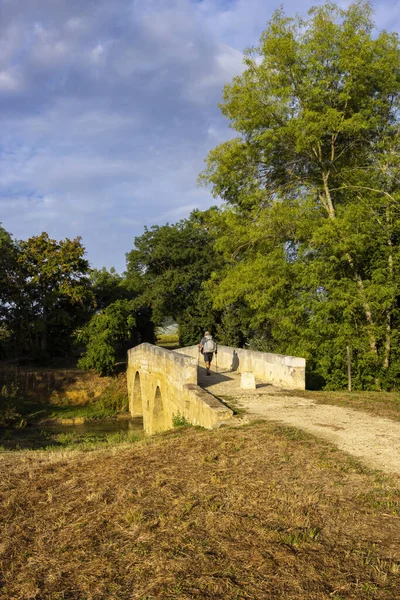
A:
[(280, 370)]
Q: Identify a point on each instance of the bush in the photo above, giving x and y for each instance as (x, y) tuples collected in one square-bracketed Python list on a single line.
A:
[(100, 356), (107, 329), (115, 396), (9, 400)]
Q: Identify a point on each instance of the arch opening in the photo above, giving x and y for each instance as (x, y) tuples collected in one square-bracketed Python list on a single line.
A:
[(135, 403), (158, 420)]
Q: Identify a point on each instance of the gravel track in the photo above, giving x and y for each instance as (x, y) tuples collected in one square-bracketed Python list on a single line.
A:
[(373, 440)]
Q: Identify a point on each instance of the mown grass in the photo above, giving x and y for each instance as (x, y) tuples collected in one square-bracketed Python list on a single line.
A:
[(168, 340), (258, 512), (379, 404)]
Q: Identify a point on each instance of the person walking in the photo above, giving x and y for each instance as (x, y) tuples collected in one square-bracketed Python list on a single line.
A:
[(208, 347)]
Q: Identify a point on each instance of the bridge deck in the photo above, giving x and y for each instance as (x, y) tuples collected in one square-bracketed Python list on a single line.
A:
[(374, 440), (224, 383)]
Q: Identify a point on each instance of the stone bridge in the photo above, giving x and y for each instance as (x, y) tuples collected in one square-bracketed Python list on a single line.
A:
[(163, 385)]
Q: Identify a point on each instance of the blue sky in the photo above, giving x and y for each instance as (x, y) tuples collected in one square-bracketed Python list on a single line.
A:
[(110, 107)]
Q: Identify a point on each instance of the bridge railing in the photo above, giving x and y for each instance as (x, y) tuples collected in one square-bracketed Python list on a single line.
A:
[(278, 369)]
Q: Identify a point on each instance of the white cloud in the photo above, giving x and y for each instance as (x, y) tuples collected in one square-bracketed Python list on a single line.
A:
[(126, 221), (227, 63), (10, 41), (97, 53), (109, 109), (387, 15), (77, 25), (10, 81)]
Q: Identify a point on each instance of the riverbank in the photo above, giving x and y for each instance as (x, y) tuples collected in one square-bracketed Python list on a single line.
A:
[(259, 511), (56, 436), (65, 418), (45, 393)]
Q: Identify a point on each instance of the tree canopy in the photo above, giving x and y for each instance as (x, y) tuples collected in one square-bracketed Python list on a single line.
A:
[(50, 299), (311, 221), (169, 265), (45, 295)]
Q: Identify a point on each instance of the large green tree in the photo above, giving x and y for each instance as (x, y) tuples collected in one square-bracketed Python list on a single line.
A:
[(52, 296), (108, 287), (8, 257), (311, 225), (168, 267)]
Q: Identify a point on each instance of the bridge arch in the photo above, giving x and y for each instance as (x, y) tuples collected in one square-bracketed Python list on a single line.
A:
[(158, 416), (135, 397), (165, 384)]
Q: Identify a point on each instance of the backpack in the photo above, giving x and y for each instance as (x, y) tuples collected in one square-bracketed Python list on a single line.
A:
[(209, 345)]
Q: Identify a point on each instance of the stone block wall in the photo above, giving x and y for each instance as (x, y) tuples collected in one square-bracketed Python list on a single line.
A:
[(162, 384)]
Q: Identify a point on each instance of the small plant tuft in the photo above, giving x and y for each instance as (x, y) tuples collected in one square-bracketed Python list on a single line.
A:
[(180, 420)]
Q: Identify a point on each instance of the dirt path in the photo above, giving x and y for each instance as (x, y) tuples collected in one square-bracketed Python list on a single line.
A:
[(373, 440)]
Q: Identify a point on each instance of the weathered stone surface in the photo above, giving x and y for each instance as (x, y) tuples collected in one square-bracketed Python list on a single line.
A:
[(248, 381), (163, 384), (285, 371)]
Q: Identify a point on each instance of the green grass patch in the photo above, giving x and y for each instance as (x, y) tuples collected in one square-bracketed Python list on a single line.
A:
[(180, 420), (70, 439), (170, 341)]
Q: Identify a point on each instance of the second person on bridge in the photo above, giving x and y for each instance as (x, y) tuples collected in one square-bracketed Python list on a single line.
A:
[(207, 347)]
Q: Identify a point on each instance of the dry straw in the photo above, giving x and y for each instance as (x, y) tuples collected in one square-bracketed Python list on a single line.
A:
[(256, 512)]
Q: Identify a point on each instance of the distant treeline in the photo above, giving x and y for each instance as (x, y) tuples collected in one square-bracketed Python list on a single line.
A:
[(302, 256), (54, 306)]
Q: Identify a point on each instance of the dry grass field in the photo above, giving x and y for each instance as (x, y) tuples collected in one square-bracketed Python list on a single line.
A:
[(260, 512)]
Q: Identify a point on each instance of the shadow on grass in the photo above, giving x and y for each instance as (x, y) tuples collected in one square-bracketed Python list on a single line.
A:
[(85, 437), (28, 438), (120, 367)]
